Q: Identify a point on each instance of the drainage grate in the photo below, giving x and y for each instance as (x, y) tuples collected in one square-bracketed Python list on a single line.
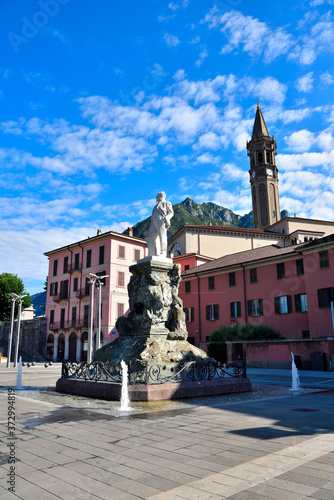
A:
[(304, 409)]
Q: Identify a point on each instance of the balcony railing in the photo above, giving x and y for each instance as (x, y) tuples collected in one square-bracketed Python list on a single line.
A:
[(66, 325), (73, 268), (60, 297), (82, 292)]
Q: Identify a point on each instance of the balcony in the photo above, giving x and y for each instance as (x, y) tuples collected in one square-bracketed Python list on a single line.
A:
[(60, 297), (74, 268), (67, 325), (82, 293)]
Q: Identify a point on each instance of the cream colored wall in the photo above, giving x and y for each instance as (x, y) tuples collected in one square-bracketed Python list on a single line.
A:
[(311, 226), (217, 245)]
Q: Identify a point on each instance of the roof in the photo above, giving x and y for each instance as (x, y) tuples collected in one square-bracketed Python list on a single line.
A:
[(134, 239), (301, 219), (260, 127), (248, 256), (192, 254)]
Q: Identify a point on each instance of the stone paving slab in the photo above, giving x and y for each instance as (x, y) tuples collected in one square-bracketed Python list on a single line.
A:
[(242, 450)]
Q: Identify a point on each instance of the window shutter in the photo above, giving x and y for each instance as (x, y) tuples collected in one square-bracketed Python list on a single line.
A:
[(260, 307), (207, 312), (277, 306), (332, 290), (320, 299), (192, 314), (232, 309), (298, 306), (289, 301), (238, 309), (216, 311), (249, 307)]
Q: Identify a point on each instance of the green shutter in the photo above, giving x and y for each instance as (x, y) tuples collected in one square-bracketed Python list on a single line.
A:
[(238, 309), (207, 312), (216, 311), (289, 301), (249, 307), (260, 307), (232, 309), (192, 313), (277, 306), (298, 305), (320, 299)]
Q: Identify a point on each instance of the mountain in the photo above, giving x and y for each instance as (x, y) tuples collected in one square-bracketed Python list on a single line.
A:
[(192, 213)]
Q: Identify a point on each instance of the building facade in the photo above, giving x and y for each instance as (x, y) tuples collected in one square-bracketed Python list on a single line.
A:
[(67, 308), (289, 289)]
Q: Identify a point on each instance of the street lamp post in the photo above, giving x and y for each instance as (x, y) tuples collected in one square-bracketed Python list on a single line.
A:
[(20, 298), (13, 297), (93, 278)]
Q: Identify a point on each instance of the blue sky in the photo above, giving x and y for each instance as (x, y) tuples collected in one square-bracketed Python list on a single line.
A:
[(104, 104)]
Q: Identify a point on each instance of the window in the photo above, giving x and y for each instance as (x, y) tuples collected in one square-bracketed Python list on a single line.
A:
[(280, 268), (53, 289), (212, 312), (323, 260), (301, 302), (77, 261), (100, 274), (189, 312), (62, 318), (74, 316), (101, 255), (325, 297), (121, 252), (211, 282), (65, 266), (253, 275), (87, 285), (186, 267), (283, 305), (64, 289), (300, 267), (187, 287), (231, 279), (260, 157), (235, 309), (86, 314), (75, 284), (305, 334), (55, 267), (137, 254), (120, 310), (88, 258), (255, 307), (120, 279), (52, 317)]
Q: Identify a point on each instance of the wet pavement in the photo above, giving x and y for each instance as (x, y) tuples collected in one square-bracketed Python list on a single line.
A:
[(270, 443)]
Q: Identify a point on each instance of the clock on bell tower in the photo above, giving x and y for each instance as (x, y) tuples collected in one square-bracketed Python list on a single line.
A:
[(263, 173)]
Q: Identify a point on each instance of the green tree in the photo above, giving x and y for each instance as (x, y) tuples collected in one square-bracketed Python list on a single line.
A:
[(11, 283)]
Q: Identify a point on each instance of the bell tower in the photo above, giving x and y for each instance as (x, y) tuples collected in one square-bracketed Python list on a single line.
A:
[(263, 172)]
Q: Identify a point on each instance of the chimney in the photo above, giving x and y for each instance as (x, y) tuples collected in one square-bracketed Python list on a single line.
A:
[(98, 232), (130, 231)]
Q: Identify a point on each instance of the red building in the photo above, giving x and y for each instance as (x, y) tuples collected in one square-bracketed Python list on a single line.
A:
[(289, 289)]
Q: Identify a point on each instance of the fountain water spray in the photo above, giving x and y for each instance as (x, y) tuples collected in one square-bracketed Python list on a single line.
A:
[(19, 375), (295, 375), (125, 400)]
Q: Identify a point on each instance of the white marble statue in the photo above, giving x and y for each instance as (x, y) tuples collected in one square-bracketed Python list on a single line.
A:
[(160, 222)]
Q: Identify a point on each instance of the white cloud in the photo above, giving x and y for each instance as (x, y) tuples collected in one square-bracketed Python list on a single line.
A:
[(305, 83), (258, 39), (305, 160), (173, 6), (300, 141), (171, 40), (203, 54), (327, 78)]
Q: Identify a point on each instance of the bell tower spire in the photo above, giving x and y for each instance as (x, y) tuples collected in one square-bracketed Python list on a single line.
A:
[(263, 172)]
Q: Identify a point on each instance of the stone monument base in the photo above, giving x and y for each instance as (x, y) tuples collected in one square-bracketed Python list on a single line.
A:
[(154, 392)]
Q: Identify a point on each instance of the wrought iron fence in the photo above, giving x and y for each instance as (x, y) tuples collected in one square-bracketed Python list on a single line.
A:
[(142, 372)]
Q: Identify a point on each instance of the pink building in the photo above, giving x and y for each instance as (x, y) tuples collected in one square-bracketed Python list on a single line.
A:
[(289, 289), (67, 308)]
